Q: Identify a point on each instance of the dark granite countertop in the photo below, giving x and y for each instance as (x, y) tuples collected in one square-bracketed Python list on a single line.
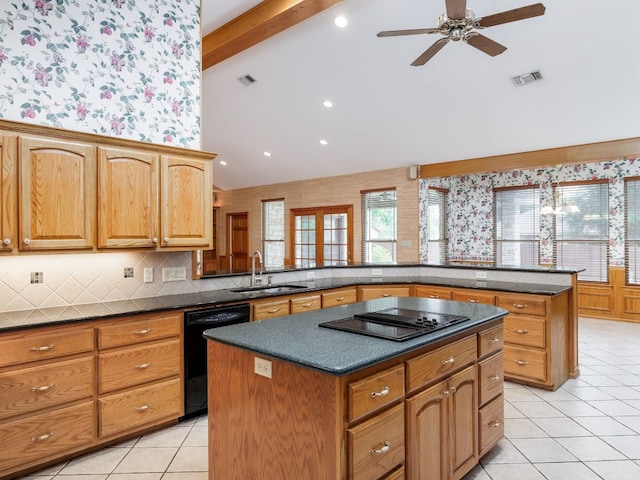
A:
[(34, 318), (298, 338)]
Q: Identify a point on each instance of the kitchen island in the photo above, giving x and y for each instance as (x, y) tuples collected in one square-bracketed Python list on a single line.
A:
[(288, 399)]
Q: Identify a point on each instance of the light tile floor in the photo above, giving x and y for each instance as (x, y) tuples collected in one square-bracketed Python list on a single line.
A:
[(586, 430)]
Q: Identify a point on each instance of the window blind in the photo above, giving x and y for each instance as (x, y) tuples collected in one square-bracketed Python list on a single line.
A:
[(517, 226)]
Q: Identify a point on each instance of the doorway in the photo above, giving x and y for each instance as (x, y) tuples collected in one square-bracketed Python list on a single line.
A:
[(238, 241)]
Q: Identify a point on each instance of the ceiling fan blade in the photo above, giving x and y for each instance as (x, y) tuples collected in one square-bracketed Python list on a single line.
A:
[(456, 9), (415, 31), (430, 52), (485, 44), (516, 14)]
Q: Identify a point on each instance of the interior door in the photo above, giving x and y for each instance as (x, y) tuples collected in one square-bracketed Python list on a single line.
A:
[(238, 241)]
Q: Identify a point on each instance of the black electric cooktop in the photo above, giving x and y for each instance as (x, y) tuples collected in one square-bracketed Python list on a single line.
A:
[(396, 324)]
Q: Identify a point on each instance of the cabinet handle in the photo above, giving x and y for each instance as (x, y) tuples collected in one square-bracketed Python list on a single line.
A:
[(493, 340), (434, 296), (273, 310), (7, 241), (385, 294), (493, 378), (142, 366), (493, 424), (453, 390), (26, 241), (471, 300), (339, 299), (445, 394), (41, 438), (521, 331), (450, 361), (43, 348), (144, 331), (154, 239), (521, 362), (166, 239), (384, 449), (520, 305), (382, 393), (142, 408), (43, 388), (307, 305)]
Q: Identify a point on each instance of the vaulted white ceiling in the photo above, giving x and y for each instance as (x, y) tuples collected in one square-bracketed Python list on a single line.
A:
[(461, 104)]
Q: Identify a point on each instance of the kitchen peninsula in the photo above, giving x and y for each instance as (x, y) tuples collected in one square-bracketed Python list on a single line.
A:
[(289, 399)]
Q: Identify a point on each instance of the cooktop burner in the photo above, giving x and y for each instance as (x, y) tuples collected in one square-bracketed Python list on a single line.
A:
[(395, 323)]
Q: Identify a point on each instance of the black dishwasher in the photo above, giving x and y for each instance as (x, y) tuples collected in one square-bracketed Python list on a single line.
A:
[(195, 350)]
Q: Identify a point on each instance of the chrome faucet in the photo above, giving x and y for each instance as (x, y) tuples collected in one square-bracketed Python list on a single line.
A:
[(256, 281)]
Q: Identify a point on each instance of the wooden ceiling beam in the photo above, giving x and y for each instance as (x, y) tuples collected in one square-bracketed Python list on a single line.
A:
[(257, 24)]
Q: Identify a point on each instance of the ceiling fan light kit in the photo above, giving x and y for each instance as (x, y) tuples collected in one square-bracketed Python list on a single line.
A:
[(460, 24)]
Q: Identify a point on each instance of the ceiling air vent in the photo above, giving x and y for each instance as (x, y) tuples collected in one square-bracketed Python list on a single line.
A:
[(246, 80), (526, 78)]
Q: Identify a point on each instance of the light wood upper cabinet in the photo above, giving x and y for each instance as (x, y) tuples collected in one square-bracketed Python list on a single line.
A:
[(186, 212), (8, 191), (128, 198), (57, 194)]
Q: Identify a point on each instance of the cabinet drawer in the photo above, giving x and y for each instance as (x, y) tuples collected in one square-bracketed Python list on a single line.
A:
[(395, 475), (525, 362), (524, 331), (528, 304), (45, 436), (490, 341), (45, 346), (491, 428), (430, 366), (428, 291), (30, 389), (491, 376), (340, 297), (132, 409), (371, 293), (372, 393), (134, 366), (305, 304), (141, 329), (262, 311), (471, 296), (377, 446)]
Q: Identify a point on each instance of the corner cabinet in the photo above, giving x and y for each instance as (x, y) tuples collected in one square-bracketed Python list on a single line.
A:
[(8, 192)]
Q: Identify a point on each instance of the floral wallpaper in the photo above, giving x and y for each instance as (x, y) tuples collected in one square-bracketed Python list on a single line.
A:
[(127, 68), (470, 203)]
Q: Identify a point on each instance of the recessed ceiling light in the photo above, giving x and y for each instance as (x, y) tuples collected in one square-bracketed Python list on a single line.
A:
[(267, 154), (222, 162), (341, 21), (328, 103), (323, 142)]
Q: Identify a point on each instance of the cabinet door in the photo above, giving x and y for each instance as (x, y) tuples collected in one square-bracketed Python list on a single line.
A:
[(128, 201), (58, 196), (186, 187), (8, 191), (463, 421)]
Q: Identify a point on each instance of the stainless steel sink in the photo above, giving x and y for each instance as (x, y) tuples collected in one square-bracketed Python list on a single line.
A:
[(267, 289)]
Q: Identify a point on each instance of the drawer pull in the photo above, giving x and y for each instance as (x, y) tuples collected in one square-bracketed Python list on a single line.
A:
[(385, 294), (471, 300), (434, 296), (383, 393), (520, 305), (43, 348), (43, 388), (446, 394), (521, 331), (493, 378), (273, 310), (339, 299), (142, 366), (450, 361), (307, 305), (384, 449), (142, 332), (41, 438), (493, 424), (142, 408), (493, 340), (521, 362)]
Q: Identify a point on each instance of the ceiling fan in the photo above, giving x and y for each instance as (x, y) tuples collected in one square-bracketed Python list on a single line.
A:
[(459, 23)]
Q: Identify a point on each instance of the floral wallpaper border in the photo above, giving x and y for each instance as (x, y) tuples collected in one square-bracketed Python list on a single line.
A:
[(127, 68), (470, 214)]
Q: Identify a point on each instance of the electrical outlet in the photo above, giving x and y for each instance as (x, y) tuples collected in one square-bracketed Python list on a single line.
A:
[(311, 274), (262, 367), (481, 274), (148, 275), (376, 272)]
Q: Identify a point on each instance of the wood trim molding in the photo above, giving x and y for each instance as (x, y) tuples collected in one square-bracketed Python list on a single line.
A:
[(257, 24), (590, 152)]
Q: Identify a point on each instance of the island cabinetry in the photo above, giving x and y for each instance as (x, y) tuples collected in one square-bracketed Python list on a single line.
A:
[(47, 407), (57, 194), (139, 373), (340, 296), (368, 292), (128, 198), (433, 291), (536, 348), (8, 192)]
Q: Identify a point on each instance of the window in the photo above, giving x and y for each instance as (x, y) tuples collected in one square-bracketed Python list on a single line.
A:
[(632, 224), (437, 225), (273, 233), (322, 236), (379, 230), (517, 226), (582, 229)]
